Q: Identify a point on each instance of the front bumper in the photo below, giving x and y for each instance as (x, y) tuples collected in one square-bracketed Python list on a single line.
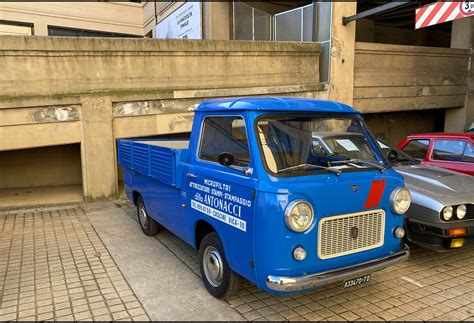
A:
[(434, 236), (290, 284)]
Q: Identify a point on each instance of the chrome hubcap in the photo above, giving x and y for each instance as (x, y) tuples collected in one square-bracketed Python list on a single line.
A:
[(213, 266), (142, 215)]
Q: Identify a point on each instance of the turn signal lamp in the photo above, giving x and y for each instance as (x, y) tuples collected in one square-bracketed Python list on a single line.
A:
[(457, 243), (299, 253), (457, 232)]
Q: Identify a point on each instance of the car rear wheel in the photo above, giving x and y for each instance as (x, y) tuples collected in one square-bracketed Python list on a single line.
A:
[(149, 226), (218, 278)]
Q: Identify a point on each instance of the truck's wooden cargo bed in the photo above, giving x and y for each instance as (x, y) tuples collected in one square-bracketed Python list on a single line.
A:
[(158, 158)]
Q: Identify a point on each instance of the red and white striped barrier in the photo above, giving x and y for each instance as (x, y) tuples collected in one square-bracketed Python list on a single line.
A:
[(443, 11)]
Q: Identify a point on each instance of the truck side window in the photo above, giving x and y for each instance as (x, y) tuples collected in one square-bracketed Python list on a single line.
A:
[(224, 134), (417, 148)]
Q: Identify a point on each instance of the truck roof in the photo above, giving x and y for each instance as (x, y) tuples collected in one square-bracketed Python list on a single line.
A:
[(272, 103)]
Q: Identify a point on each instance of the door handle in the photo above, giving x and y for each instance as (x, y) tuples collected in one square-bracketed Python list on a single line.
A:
[(191, 175)]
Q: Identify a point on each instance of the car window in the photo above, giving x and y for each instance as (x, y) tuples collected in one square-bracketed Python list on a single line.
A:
[(318, 148), (386, 147), (448, 150), (468, 154), (224, 134), (417, 148)]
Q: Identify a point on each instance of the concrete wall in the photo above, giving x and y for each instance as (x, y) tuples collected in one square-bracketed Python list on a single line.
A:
[(115, 17), (368, 30), (56, 66), (46, 166), (91, 91), (395, 126), (403, 78)]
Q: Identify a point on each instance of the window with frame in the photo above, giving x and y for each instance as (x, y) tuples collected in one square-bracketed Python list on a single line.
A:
[(224, 134), (417, 148), (13, 28), (449, 150)]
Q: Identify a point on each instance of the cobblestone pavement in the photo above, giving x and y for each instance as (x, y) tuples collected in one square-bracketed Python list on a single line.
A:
[(53, 265), (429, 286)]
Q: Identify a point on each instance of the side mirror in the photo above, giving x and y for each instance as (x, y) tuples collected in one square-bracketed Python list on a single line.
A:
[(392, 156), (226, 159)]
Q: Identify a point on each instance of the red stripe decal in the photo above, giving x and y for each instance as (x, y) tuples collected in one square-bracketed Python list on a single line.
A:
[(433, 13), (375, 194)]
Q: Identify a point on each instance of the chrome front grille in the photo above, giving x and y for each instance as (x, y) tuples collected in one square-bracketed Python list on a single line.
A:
[(350, 233)]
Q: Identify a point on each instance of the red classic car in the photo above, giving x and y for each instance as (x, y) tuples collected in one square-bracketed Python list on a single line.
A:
[(454, 151)]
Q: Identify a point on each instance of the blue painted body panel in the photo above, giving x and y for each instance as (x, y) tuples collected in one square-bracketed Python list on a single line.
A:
[(259, 200), (274, 104)]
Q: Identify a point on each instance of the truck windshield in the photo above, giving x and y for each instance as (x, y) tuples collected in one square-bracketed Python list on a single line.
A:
[(302, 144)]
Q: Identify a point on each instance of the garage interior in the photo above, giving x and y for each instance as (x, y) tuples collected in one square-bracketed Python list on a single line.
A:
[(43, 176)]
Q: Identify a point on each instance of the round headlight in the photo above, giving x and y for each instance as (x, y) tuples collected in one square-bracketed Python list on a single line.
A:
[(400, 200), (299, 215), (447, 213), (461, 211)]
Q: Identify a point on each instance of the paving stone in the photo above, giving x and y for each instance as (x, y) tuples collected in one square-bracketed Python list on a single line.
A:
[(26, 313), (44, 309), (133, 304), (100, 311), (103, 318), (118, 308), (137, 312), (82, 316), (120, 315), (141, 318)]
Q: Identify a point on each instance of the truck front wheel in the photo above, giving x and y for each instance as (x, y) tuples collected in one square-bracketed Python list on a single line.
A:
[(149, 226), (218, 278)]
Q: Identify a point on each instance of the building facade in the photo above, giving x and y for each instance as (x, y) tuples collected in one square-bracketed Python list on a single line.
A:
[(64, 101)]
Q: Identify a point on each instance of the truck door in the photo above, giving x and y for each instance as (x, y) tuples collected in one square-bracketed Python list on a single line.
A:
[(224, 196)]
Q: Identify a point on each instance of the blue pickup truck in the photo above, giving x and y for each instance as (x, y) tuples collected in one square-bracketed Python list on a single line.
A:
[(257, 196)]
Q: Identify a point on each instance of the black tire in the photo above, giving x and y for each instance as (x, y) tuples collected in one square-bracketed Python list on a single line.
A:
[(229, 282), (149, 226)]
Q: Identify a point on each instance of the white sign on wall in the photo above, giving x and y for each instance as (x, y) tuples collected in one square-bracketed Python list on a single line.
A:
[(183, 23)]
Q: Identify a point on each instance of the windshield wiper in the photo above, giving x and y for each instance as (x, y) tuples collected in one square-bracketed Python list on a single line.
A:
[(304, 166), (380, 168)]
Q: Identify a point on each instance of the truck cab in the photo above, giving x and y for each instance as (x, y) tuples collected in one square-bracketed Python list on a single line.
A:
[(253, 191)]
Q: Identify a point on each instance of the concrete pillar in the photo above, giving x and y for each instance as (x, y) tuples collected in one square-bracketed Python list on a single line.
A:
[(40, 29), (216, 16), (220, 20), (99, 167), (462, 36), (342, 53)]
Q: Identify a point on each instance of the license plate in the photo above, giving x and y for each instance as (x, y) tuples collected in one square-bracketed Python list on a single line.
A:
[(356, 281)]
